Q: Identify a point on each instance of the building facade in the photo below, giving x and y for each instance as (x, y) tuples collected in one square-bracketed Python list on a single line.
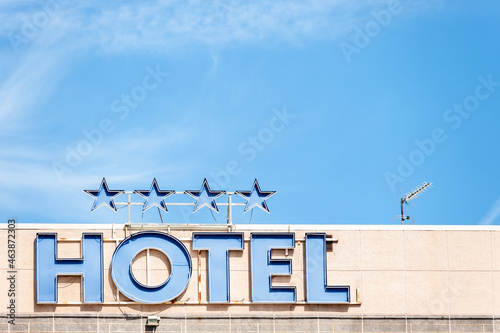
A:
[(394, 278)]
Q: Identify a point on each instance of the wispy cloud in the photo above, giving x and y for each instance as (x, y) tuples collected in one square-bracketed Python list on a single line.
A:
[(492, 214), (167, 25), (28, 86), (47, 36), (45, 48), (29, 183)]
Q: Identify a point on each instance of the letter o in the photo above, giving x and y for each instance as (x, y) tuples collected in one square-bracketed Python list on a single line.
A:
[(40, 20), (139, 93), (372, 29), (413, 158), (266, 135), (84, 148), (471, 103), (130, 247)]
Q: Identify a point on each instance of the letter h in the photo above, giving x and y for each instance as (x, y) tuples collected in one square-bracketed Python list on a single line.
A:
[(49, 266)]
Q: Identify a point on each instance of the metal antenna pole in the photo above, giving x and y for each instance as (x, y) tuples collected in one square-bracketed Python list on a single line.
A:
[(413, 195), (402, 215)]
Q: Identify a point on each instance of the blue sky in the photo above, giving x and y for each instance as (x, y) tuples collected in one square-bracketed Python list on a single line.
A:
[(342, 107)]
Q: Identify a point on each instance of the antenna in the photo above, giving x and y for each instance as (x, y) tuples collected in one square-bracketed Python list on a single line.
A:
[(413, 195)]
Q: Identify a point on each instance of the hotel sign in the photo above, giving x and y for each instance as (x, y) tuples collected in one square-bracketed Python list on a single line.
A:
[(263, 266)]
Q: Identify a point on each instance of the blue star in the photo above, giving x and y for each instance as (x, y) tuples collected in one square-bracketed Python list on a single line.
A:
[(205, 197), (103, 196), (255, 197), (154, 198)]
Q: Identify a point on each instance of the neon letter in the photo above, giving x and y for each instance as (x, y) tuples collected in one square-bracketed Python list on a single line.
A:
[(218, 245), (49, 267), (130, 247), (264, 267), (317, 290)]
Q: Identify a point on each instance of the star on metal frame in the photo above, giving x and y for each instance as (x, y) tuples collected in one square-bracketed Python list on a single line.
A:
[(205, 197), (104, 196), (255, 197), (154, 197)]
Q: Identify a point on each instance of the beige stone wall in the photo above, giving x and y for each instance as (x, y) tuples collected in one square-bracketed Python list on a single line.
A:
[(409, 270)]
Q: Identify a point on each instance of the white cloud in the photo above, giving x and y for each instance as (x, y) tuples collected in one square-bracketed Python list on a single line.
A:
[(46, 48), (30, 185), (48, 36), (28, 86), (167, 25)]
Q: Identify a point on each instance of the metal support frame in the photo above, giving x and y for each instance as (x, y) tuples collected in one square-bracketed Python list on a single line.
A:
[(230, 204)]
